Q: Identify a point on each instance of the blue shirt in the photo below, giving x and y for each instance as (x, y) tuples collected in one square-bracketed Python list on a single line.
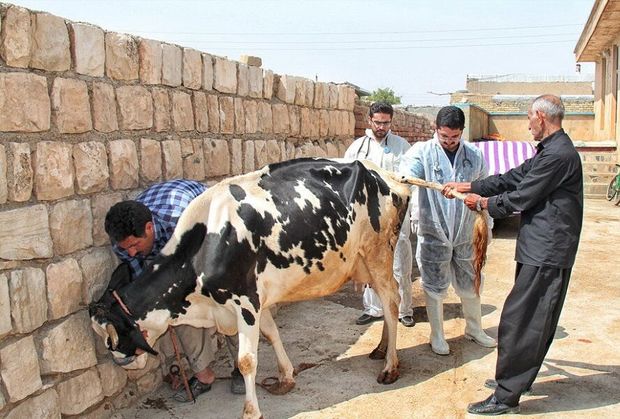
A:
[(167, 201)]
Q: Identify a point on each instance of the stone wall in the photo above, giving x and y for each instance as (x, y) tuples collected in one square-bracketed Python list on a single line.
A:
[(89, 118), (411, 126)]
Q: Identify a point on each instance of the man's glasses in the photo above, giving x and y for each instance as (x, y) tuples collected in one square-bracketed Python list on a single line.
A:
[(381, 123)]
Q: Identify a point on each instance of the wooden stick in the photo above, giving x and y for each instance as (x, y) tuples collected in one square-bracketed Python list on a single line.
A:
[(425, 184)]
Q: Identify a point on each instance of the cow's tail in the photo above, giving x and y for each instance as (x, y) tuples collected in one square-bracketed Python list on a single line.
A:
[(480, 243)]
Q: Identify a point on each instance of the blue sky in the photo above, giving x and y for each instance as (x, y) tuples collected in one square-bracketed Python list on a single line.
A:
[(413, 47)]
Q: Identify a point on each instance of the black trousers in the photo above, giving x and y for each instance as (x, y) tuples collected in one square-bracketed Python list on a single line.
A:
[(527, 326)]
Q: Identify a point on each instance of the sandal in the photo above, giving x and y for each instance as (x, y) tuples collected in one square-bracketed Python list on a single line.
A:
[(195, 386)]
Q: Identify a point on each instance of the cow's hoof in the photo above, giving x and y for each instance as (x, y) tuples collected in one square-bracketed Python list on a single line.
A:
[(388, 377), (277, 387), (378, 353)]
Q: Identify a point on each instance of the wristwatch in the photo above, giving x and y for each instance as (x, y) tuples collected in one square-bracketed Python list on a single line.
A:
[(478, 205)]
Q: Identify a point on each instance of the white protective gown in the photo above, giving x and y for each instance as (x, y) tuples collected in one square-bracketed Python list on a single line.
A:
[(445, 227), (388, 154)]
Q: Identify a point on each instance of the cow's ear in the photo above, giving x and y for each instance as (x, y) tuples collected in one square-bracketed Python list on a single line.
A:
[(138, 339), (120, 277)]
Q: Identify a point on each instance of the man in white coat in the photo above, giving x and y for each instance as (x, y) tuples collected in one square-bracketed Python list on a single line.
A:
[(445, 227), (385, 149)]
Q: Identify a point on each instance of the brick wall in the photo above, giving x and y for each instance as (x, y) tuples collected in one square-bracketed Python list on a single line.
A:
[(89, 118), (412, 127)]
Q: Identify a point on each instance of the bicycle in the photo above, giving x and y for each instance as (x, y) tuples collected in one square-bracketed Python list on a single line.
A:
[(613, 190)]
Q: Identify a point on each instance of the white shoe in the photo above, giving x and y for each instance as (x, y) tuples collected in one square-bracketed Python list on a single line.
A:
[(434, 310), (473, 327)]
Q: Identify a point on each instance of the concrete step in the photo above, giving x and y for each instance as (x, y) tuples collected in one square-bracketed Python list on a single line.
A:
[(599, 157), (602, 178), (599, 167)]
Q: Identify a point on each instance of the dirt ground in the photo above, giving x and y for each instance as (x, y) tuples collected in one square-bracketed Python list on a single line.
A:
[(580, 376)]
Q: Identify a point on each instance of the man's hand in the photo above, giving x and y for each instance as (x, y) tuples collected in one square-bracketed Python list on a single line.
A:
[(456, 186), (475, 202)]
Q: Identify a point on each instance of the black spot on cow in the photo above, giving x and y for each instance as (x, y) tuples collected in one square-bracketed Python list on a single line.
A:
[(237, 192), (320, 266), (248, 317), (236, 300)]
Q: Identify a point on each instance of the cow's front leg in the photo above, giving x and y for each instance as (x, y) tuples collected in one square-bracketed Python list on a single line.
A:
[(269, 329), (249, 331)]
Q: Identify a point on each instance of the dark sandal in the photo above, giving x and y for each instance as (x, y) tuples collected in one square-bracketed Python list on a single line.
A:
[(196, 387)]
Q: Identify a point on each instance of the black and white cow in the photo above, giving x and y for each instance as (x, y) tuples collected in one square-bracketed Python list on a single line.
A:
[(291, 231)]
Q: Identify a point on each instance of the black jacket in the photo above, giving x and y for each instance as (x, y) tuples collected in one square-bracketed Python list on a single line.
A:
[(548, 191)]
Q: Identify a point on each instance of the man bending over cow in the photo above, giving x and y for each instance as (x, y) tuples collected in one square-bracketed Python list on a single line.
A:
[(138, 230)]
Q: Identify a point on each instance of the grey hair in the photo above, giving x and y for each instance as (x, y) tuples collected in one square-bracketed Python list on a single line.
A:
[(550, 105)]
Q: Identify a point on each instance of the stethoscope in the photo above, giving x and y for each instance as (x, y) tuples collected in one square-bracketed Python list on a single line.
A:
[(466, 161), (366, 140)]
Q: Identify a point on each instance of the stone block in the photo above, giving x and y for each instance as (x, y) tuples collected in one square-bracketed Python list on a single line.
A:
[(217, 158), (306, 122), (67, 346), (280, 118), (259, 153), (80, 392), (350, 130), (305, 150), (193, 163), (290, 151), (266, 152), (172, 62), (19, 173), (333, 96), (173, 162), (104, 410), (332, 150), (265, 118), (285, 90), (268, 84), (250, 108), (248, 157), (150, 55), (227, 115), (113, 378), (207, 72), (239, 116), (121, 57), (294, 119), (71, 226), (255, 82), (152, 363), (182, 112), (24, 233), (161, 105), (97, 266), (315, 120), (5, 306), (319, 87), (28, 299), (342, 148), (20, 369), (50, 43), (100, 204), (150, 160), (243, 80), (64, 288), (123, 160), (200, 112), (104, 107), (87, 49), (323, 123), (192, 68), (71, 106), (4, 193), (346, 97), (236, 159), (15, 40), (91, 167), (251, 60), (24, 103), (334, 128), (213, 109), (304, 92), (53, 170), (149, 382), (136, 107), (224, 75), (42, 406)]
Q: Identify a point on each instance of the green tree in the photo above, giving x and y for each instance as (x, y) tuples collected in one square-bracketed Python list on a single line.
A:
[(385, 95)]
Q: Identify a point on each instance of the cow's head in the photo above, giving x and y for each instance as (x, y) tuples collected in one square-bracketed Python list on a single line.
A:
[(115, 325)]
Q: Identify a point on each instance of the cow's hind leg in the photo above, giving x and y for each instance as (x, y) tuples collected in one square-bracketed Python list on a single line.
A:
[(248, 326), (269, 329), (386, 287)]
